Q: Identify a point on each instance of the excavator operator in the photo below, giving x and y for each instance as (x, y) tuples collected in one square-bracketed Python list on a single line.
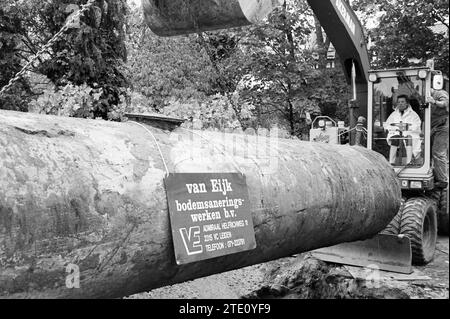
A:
[(403, 126)]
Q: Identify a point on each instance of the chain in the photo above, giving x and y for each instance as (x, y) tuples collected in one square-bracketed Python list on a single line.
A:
[(11, 82)]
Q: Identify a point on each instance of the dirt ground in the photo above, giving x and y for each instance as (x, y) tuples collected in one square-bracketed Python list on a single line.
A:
[(304, 277), (438, 270)]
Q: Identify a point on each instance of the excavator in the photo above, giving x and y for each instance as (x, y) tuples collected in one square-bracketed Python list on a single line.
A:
[(411, 236)]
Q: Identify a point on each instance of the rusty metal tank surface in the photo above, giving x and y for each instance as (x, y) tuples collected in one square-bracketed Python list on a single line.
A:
[(174, 17), (91, 193)]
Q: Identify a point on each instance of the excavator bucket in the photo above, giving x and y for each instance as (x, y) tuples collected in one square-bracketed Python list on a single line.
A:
[(382, 252), (176, 17)]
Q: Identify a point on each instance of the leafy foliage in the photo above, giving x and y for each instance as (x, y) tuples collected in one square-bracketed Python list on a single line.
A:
[(256, 76), (90, 52), (279, 66), (164, 69), (215, 112), (407, 30), (69, 100), (192, 77), (263, 74), (10, 59)]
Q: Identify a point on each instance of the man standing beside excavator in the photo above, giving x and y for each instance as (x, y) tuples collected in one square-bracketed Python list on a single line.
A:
[(439, 136)]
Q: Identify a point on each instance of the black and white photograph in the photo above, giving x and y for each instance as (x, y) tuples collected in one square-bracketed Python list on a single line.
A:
[(220, 156)]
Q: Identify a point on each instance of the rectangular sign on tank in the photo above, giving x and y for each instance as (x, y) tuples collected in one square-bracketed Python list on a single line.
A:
[(209, 215)]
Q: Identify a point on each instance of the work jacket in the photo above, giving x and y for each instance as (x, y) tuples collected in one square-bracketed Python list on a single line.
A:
[(410, 117)]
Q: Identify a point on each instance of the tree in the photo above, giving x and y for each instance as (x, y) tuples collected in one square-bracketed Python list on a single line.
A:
[(279, 67), (269, 69), (11, 55), (229, 65), (191, 76), (90, 52), (407, 30), (164, 69)]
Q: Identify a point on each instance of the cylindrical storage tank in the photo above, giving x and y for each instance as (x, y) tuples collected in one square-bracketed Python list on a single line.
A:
[(89, 195)]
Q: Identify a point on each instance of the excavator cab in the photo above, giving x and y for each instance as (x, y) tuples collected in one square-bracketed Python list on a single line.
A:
[(406, 142)]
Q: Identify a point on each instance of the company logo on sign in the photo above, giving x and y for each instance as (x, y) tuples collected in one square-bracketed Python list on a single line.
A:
[(346, 15)]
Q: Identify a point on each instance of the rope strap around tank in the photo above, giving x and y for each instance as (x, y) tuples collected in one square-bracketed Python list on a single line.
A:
[(156, 142)]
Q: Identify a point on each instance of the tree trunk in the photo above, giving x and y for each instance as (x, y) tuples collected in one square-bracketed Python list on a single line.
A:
[(323, 44), (291, 117), (89, 194), (225, 89)]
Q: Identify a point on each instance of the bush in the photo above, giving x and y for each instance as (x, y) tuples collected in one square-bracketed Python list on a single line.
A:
[(69, 100), (214, 112)]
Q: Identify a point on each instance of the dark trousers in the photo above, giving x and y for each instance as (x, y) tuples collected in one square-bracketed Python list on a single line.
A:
[(439, 152)]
